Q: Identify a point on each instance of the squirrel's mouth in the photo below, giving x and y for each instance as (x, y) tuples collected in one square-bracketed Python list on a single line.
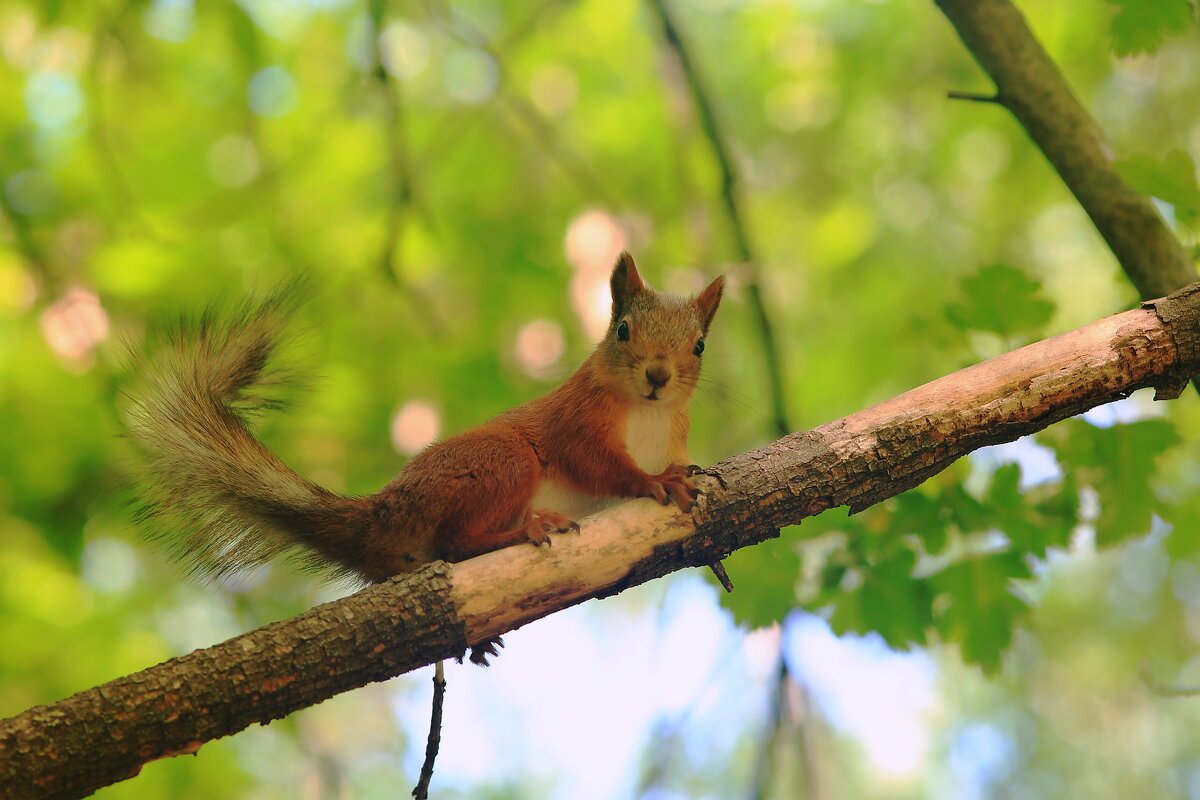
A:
[(652, 396)]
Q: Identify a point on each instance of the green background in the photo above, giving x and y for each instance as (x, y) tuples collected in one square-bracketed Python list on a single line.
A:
[(158, 156)]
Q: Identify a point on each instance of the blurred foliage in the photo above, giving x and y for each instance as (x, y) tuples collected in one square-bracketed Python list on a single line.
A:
[(426, 162), (1171, 178), (1139, 26)]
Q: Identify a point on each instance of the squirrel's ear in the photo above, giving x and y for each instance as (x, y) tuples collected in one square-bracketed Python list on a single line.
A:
[(625, 283), (707, 301)]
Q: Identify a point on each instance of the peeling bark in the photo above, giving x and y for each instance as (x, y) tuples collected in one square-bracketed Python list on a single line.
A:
[(103, 735)]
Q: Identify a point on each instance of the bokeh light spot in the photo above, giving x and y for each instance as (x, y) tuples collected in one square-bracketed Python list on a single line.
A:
[(553, 88), (404, 50), (471, 75), (539, 346), (169, 20), (415, 426), (74, 325), (233, 161), (54, 101), (272, 92)]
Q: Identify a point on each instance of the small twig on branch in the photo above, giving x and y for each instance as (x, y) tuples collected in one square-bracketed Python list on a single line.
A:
[(975, 97), (421, 790), (718, 569), (105, 734)]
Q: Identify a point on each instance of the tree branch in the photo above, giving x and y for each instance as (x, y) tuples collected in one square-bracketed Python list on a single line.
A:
[(1029, 84), (102, 735)]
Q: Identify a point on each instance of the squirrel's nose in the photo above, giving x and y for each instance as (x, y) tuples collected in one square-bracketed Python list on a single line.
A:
[(658, 375)]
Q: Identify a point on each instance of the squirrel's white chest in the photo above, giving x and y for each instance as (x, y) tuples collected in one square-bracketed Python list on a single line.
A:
[(647, 439)]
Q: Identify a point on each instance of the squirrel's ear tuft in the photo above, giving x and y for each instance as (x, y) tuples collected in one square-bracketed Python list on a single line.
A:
[(625, 283), (707, 301)]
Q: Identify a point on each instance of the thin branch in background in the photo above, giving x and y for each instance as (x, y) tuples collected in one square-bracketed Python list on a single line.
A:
[(1030, 85), (572, 164), (400, 180), (792, 708), (764, 768), (47, 277), (667, 734), (106, 32), (421, 790), (1162, 689), (729, 198), (774, 366), (246, 40), (542, 130)]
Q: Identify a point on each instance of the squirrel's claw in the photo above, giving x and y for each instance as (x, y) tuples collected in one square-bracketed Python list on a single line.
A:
[(672, 485), (481, 651), (542, 523)]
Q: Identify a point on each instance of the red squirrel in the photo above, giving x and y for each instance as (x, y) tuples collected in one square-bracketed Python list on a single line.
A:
[(617, 428)]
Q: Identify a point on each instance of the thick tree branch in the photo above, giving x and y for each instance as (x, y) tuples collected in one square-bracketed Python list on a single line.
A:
[(102, 735), (1029, 84)]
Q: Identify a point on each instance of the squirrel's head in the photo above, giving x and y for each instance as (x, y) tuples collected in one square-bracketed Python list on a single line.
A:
[(655, 340)]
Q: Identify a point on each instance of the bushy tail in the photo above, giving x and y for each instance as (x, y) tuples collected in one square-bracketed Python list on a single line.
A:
[(217, 496)]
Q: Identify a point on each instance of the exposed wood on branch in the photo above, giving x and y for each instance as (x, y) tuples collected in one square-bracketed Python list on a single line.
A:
[(102, 735), (1029, 84)]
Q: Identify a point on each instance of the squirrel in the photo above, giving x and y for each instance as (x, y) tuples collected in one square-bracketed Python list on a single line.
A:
[(616, 428)]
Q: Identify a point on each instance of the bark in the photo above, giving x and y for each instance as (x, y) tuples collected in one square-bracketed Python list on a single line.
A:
[(1030, 86), (102, 735)]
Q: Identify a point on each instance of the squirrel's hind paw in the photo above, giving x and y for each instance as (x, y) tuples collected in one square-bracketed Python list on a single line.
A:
[(480, 652)]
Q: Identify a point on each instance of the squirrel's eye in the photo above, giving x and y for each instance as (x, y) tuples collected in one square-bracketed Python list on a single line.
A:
[(623, 331), (699, 346)]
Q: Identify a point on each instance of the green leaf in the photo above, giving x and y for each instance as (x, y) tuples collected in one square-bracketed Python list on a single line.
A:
[(1171, 179), (1031, 526), (980, 608), (1055, 513), (890, 602), (917, 513), (245, 35), (1139, 26), (1009, 512), (1000, 299), (1184, 539), (1118, 463), (765, 578), (966, 513)]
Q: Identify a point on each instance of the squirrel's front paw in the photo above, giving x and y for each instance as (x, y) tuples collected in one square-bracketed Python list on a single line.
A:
[(672, 485)]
